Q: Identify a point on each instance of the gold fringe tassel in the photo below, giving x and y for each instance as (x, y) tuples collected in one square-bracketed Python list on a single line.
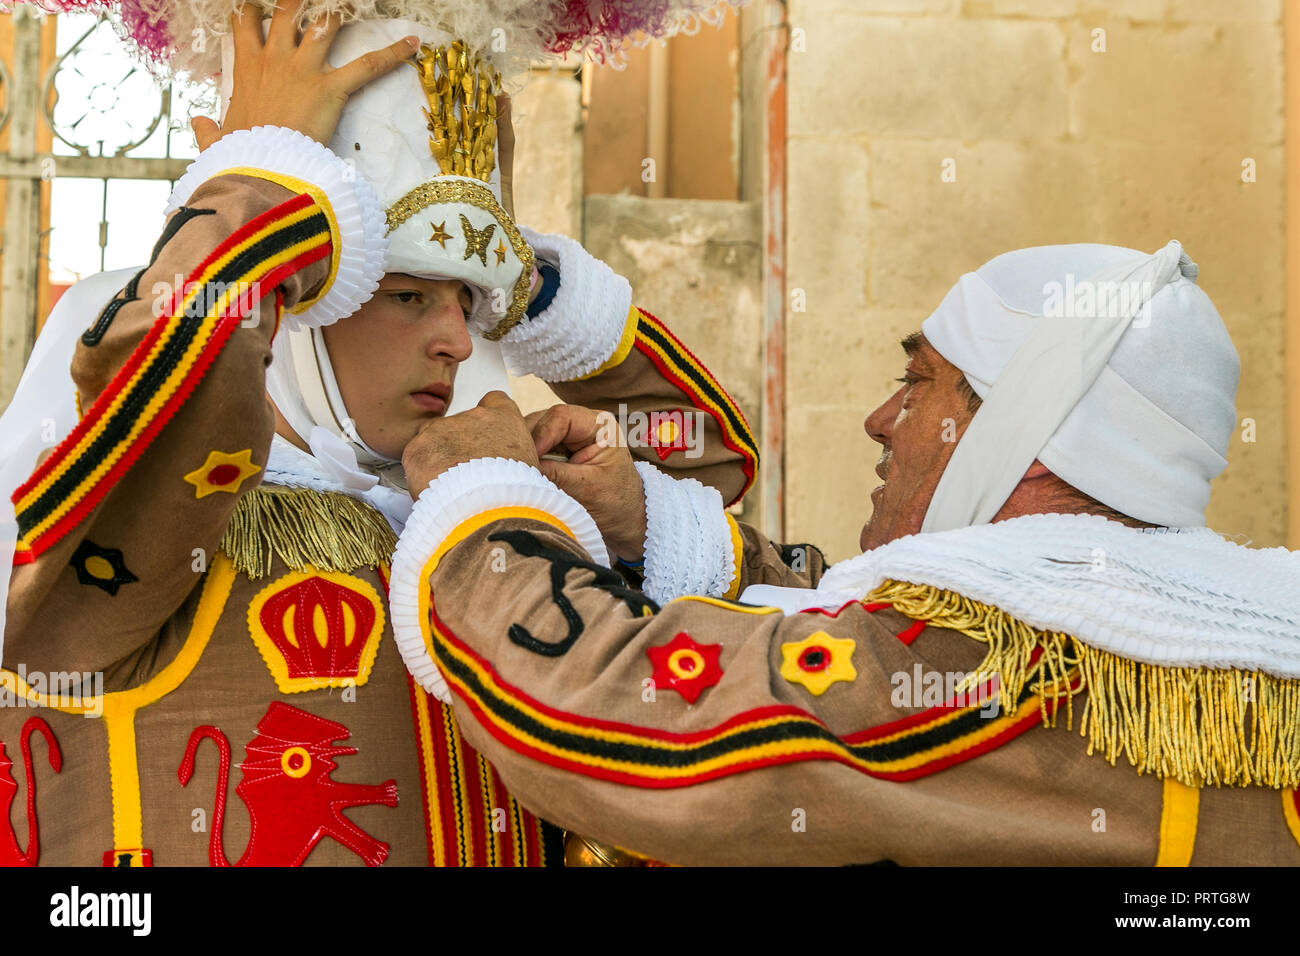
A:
[(1197, 725), (328, 530)]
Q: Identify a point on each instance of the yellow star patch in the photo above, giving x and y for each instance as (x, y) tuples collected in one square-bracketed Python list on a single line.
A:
[(440, 234), (500, 250), (223, 471), (818, 661)]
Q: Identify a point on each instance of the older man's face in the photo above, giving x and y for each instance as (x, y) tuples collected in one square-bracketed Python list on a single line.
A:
[(919, 426)]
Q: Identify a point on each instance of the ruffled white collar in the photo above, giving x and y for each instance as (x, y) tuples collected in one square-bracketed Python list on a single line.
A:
[(332, 466)]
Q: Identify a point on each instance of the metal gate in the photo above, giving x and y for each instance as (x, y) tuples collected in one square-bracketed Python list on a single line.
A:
[(72, 90)]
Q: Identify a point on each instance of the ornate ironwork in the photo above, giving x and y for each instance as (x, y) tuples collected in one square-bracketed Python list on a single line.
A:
[(97, 92)]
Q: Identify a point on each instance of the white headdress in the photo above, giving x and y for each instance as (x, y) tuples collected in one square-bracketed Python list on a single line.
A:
[(1108, 365), (424, 137), (385, 133)]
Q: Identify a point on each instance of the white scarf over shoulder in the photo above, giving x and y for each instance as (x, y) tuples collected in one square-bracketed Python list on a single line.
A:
[(1177, 597)]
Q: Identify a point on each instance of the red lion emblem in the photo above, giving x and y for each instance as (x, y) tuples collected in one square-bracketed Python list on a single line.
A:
[(292, 800), (10, 853)]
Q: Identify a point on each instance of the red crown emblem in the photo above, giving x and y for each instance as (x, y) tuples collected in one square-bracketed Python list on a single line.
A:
[(317, 629)]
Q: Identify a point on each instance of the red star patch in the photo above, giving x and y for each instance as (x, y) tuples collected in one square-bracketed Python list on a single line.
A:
[(670, 433), (686, 666)]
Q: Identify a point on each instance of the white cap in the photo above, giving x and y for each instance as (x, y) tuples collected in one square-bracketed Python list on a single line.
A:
[(1108, 365)]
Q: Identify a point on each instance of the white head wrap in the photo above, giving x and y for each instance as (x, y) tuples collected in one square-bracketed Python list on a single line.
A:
[(1108, 365)]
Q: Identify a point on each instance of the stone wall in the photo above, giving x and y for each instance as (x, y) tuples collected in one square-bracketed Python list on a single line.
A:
[(695, 264), (1049, 139)]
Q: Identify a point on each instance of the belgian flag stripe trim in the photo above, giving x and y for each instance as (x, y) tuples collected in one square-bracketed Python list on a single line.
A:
[(770, 736), (130, 405), (460, 790), (676, 362), (518, 846), (198, 292), (164, 369)]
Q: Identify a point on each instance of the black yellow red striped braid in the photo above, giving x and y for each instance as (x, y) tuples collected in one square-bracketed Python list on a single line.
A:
[(164, 369), (902, 750), (470, 817), (677, 364)]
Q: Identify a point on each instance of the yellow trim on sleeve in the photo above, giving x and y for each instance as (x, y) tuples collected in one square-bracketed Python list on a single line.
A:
[(119, 708), (1178, 817), (624, 346), (718, 602), (738, 551), (316, 193), (459, 534)]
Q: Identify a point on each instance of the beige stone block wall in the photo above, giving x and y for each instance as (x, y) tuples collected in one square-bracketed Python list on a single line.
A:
[(1050, 142)]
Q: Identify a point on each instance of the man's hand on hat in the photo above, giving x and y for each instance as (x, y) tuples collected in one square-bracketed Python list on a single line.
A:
[(492, 429), (286, 80), (599, 472)]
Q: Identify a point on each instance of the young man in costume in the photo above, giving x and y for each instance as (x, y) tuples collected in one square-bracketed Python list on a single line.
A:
[(215, 563), (1043, 656)]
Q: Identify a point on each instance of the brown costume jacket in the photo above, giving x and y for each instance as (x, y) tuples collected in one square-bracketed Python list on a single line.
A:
[(242, 631), (710, 732)]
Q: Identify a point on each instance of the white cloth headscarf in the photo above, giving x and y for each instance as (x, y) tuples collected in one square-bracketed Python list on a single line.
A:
[(1108, 365)]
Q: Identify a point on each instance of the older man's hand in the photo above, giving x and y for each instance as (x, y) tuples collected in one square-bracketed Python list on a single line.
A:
[(599, 472), (492, 429)]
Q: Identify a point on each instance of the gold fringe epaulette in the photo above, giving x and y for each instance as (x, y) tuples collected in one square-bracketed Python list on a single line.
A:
[(1197, 725), (300, 526)]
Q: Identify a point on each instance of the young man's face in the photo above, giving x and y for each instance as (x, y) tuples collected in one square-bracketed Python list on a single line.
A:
[(395, 359), (919, 426)]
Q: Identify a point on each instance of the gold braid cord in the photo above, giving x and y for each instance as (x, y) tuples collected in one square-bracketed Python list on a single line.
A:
[(435, 191), (462, 114), (1197, 725), (328, 530)]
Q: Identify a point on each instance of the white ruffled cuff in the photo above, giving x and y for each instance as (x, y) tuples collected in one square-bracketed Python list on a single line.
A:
[(354, 209), (452, 498), (583, 325), (688, 547)]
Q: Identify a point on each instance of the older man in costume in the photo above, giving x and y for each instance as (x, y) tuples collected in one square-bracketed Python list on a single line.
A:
[(1043, 656), (205, 570)]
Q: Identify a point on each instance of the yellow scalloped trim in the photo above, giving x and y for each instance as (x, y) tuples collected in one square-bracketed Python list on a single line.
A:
[(316, 193), (119, 708), (274, 657), (738, 553), (459, 534)]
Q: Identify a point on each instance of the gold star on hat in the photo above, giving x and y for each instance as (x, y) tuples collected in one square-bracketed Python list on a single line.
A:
[(440, 234)]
